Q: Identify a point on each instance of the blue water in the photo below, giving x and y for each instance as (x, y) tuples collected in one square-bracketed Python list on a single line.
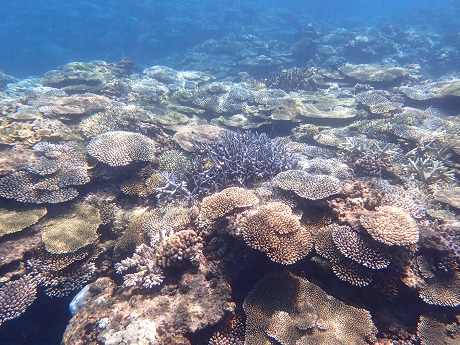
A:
[(36, 36)]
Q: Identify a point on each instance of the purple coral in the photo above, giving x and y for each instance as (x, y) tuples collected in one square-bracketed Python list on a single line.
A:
[(240, 158)]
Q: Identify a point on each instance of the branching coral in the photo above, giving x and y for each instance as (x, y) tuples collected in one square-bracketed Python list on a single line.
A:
[(145, 261)]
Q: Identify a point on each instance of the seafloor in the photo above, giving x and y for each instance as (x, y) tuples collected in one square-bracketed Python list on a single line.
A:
[(230, 201)]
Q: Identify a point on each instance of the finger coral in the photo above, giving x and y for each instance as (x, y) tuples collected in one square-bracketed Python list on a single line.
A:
[(120, 148), (391, 225), (274, 230)]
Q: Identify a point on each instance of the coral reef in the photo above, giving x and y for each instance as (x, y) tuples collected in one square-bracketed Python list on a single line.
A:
[(391, 225), (16, 296), (12, 221), (72, 229)]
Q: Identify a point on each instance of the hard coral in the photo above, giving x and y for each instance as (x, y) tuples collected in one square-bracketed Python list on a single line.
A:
[(308, 186), (16, 296), (277, 232), (293, 310), (120, 148), (226, 201)]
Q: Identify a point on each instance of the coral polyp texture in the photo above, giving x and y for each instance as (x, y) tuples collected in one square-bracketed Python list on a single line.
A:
[(12, 221), (226, 201), (120, 148), (72, 229), (274, 230), (50, 176), (306, 185), (16, 296), (391, 225), (148, 273), (293, 310)]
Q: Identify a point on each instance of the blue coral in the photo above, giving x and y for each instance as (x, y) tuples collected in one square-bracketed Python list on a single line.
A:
[(236, 158)]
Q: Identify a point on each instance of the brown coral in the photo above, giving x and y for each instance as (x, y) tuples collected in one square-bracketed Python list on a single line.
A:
[(16, 296), (433, 330), (294, 311), (274, 230), (391, 225), (440, 290), (226, 201), (360, 249)]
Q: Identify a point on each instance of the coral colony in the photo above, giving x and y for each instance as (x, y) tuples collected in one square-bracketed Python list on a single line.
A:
[(289, 194)]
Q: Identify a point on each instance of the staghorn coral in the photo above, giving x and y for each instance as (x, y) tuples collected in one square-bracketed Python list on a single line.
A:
[(372, 73), (120, 148), (226, 201), (12, 221), (16, 296), (71, 229), (429, 171), (274, 230), (240, 158), (308, 186), (360, 249), (391, 225), (293, 310), (145, 261)]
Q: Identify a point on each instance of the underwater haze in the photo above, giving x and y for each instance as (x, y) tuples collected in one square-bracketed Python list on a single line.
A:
[(40, 35)]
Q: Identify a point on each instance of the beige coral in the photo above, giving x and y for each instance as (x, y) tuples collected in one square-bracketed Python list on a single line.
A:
[(274, 230), (306, 185), (391, 225), (71, 229), (16, 220), (293, 310), (226, 201)]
